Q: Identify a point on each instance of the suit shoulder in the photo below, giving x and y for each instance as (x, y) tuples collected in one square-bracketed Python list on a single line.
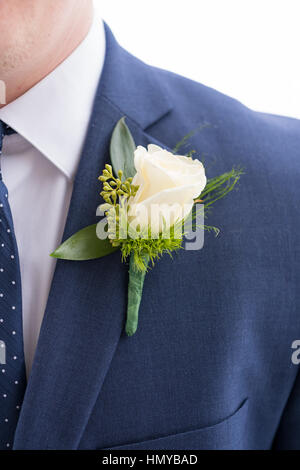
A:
[(231, 124), (200, 98)]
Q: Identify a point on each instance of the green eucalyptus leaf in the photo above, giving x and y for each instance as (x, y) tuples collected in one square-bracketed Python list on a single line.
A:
[(84, 245), (122, 149)]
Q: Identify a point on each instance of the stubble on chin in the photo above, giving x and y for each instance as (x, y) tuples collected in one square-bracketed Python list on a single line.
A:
[(14, 56)]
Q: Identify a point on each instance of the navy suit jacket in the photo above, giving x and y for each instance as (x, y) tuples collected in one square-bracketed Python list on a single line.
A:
[(210, 365)]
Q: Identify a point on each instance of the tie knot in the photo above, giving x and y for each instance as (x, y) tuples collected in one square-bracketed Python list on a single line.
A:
[(5, 129)]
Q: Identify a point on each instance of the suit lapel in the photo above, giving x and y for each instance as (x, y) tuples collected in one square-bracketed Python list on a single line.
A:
[(85, 314)]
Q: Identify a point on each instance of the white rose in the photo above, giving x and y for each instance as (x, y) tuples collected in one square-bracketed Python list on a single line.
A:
[(168, 185)]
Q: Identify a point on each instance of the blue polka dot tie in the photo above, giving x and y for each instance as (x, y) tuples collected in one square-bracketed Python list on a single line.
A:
[(12, 363)]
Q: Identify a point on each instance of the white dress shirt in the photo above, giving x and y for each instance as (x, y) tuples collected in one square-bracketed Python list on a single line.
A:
[(39, 164)]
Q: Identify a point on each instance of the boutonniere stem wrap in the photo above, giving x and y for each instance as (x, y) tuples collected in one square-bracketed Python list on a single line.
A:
[(135, 290), (149, 196)]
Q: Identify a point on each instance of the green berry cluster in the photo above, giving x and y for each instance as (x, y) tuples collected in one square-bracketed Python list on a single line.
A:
[(113, 188), (116, 193)]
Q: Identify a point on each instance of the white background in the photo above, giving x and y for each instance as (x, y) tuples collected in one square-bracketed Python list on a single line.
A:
[(248, 49)]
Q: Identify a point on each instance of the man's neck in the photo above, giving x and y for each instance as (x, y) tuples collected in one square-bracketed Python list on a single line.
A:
[(42, 59)]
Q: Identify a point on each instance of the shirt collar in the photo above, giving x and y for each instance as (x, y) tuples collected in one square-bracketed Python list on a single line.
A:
[(54, 114)]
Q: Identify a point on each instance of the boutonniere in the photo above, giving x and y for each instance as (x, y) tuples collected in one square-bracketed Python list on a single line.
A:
[(150, 198)]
